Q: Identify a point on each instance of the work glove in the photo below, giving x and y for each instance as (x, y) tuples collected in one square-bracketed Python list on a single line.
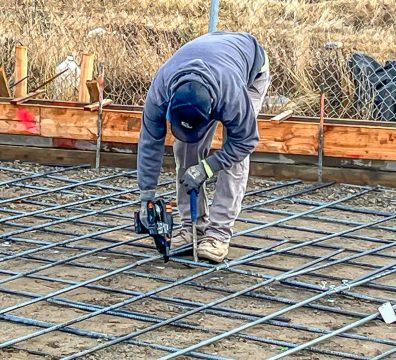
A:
[(145, 197), (195, 176)]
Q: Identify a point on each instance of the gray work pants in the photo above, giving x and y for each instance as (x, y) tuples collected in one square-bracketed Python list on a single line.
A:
[(230, 185)]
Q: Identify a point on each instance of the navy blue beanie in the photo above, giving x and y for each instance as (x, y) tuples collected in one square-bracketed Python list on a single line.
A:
[(189, 111)]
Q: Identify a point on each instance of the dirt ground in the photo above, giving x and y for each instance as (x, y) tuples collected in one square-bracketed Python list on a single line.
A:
[(35, 274)]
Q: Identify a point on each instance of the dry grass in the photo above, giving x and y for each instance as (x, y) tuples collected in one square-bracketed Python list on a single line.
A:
[(141, 34)]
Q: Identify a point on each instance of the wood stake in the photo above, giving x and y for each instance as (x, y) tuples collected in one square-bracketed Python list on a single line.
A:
[(4, 87), (93, 89), (21, 63), (86, 73)]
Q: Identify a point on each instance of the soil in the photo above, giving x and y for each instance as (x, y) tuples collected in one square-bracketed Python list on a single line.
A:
[(293, 327)]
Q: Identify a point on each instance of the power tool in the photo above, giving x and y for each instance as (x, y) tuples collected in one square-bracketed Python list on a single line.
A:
[(160, 225)]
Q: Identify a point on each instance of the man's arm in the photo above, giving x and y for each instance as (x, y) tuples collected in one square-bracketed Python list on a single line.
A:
[(242, 134), (151, 144)]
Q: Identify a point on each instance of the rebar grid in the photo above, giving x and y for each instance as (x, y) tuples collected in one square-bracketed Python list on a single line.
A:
[(308, 263)]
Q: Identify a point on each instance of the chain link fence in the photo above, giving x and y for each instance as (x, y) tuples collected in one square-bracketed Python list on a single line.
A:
[(345, 46)]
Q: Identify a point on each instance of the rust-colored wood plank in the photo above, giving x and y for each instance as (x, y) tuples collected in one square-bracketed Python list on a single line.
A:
[(68, 123), (360, 142), (9, 122), (287, 138), (124, 127), (16, 128), (9, 112)]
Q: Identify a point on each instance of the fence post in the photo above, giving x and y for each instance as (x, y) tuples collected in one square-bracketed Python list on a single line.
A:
[(21, 68), (214, 15), (86, 73)]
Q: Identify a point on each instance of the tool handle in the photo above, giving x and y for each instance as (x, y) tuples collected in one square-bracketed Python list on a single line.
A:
[(193, 205)]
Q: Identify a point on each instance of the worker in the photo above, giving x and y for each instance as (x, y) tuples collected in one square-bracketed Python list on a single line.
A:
[(218, 77)]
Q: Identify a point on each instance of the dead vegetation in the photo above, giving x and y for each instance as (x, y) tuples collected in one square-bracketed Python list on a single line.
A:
[(140, 35)]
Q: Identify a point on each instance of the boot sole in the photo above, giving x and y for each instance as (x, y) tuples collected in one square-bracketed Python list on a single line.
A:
[(209, 256)]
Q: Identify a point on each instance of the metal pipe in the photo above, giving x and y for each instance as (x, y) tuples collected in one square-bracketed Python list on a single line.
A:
[(213, 15)]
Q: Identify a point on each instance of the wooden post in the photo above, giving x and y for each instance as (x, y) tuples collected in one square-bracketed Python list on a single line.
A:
[(20, 70), (86, 74)]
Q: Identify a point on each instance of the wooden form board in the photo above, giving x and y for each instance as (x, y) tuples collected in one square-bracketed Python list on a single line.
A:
[(288, 137), (10, 124)]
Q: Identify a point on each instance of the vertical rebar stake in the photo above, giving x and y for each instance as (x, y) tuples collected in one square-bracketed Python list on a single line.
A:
[(99, 138), (320, 135), (213, 15)]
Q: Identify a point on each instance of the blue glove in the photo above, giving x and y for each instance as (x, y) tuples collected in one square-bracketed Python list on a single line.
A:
[(145, 197)]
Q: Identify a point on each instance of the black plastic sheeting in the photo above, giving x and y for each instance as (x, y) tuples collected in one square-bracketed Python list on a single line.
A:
[(375, 86)]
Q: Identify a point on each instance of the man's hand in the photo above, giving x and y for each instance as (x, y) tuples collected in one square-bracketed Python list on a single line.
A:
[(194, 177), (145, 197)]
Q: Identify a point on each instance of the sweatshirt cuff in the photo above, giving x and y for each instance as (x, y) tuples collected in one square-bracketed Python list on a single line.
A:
[(147, 195), (214, 164)]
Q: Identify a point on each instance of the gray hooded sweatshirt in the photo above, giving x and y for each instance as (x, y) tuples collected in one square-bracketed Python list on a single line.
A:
[(226, 63)]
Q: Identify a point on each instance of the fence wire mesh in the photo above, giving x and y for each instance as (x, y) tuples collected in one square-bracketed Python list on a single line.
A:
[(345, 45)]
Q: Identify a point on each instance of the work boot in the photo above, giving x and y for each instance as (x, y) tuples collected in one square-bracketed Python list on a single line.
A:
[(213, 249), (183, 237)]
